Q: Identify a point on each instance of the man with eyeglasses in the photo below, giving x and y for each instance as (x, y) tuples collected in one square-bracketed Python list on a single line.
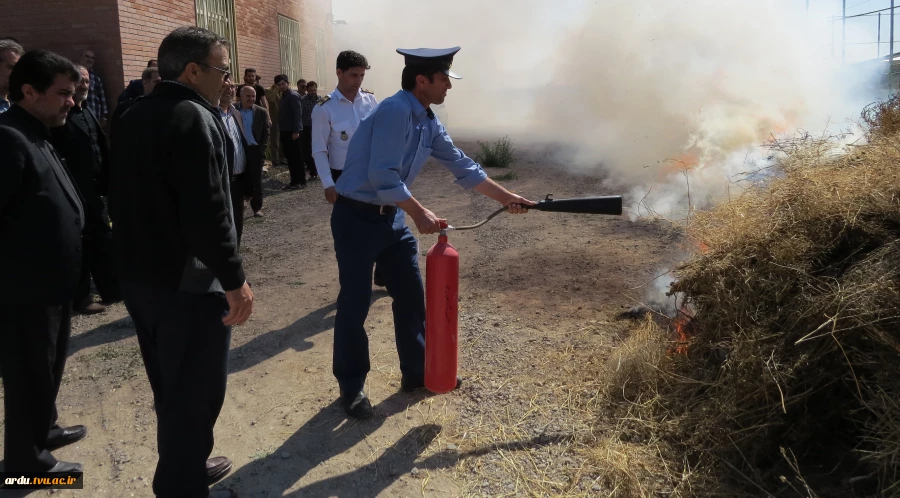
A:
[(181, 276)]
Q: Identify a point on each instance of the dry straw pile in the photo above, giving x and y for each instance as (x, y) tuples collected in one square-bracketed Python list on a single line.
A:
[(791, 385)]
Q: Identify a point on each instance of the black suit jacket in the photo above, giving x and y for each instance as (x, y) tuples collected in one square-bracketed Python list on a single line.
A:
[(91, 173), (260, 125), (41, 216), (290, 112)]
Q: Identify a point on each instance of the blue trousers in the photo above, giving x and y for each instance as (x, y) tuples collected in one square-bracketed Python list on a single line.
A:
[(361, 239)]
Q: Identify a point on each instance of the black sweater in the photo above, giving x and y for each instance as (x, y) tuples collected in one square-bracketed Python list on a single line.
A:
[(169, 194)]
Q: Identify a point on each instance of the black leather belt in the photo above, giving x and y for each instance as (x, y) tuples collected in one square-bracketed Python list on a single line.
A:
[(371, 208)]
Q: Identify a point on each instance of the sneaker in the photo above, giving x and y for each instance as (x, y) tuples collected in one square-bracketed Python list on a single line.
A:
[(359, 407), (413, 385), (258, 214)]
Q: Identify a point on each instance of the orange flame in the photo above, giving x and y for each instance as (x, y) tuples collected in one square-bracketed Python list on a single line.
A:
[(681, 324)]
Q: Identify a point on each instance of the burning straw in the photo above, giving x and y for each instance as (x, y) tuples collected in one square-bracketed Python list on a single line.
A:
[(792, 381)]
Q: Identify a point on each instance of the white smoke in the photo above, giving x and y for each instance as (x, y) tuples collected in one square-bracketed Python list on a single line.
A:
[(670, 98)]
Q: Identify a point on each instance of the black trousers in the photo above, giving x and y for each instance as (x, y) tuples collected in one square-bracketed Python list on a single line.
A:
[(293, 152), (239, 186), (306, 137), (34, 341), (184, 345), (97, 261), (254, 170)]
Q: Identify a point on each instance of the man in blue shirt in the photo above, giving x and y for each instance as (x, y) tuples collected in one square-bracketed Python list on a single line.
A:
[(368, 222)]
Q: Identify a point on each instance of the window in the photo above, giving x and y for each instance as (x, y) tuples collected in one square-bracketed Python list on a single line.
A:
[(320, 59), (289, 40), (218, 17)]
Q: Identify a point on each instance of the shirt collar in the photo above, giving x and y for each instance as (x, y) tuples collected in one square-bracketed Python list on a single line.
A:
[(31, 123), (336, 94), (417, 108)]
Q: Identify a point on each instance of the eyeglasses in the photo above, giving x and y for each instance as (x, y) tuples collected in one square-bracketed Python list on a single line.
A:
[(225, 73)]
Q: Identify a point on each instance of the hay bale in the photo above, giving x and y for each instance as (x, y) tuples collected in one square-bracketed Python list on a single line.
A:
[(793, 379)]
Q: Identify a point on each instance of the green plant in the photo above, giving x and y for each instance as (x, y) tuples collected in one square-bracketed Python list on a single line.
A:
[(498, 154), (505, 177)]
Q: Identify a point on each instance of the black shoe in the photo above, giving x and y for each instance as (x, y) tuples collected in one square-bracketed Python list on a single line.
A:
[(67, 467), (217, 468), (64, 436), (379, 280), (358, 407), (413, 385)]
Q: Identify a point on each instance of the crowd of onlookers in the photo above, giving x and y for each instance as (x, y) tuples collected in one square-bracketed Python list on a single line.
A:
[(283, 137), (169, 169)]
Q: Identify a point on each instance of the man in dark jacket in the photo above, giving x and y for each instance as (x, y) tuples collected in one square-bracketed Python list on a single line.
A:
[(41, 218), (149, 79), (136, 88), (255, 125), (290, 123), (82, 142), (181, 276)]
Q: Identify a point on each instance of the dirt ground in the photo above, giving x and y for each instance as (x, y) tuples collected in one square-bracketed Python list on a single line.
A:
[(539, 294)]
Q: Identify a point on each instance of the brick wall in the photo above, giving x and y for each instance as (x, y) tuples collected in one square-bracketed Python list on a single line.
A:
[(144, 24), (68, 28), (257, 35), (125, 34)]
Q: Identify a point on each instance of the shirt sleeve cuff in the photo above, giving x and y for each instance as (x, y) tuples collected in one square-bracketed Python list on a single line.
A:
[(472, 179), (395, 195)]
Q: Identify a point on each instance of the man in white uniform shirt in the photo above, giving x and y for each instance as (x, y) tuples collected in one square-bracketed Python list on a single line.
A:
[(335, 119)]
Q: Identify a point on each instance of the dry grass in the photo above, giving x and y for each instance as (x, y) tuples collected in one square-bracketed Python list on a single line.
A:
[(790, 386)]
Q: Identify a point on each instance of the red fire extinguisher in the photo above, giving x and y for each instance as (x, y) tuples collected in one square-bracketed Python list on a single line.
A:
[(442, 312)]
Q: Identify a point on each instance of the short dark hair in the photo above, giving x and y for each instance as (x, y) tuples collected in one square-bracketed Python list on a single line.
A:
[(10, 45), (281, 77), (349, 58), (183, 46), (408, 77), (312, 83), (39, 68), (151, 61), (148, 73), (248, 70), (301, 80), (9, 38)]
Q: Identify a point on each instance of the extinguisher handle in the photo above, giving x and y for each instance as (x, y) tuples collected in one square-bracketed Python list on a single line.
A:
[(609, 205)]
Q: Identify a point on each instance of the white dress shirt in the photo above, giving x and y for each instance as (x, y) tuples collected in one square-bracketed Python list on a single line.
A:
[(333, 124), (234, 132)]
